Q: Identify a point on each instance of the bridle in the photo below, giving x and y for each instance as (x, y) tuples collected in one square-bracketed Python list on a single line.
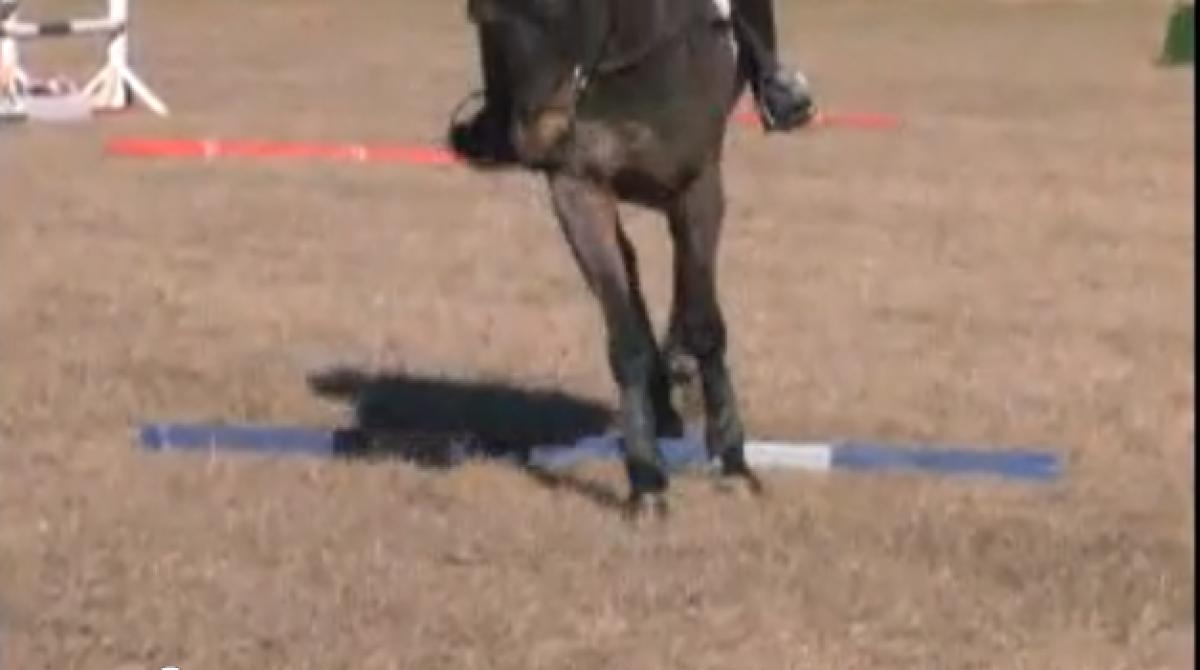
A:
[(589, 68)]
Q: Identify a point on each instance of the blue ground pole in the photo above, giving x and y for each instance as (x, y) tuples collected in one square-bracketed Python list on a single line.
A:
[(859, 456)]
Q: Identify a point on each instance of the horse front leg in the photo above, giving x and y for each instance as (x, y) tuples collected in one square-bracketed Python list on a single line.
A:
[(589, 219), (697, 323)]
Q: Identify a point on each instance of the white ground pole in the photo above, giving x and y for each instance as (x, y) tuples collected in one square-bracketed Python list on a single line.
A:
[(115, 86), (690, 449)]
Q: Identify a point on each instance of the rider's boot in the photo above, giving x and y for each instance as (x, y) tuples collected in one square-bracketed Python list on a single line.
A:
[(486, 137), (782, 97)]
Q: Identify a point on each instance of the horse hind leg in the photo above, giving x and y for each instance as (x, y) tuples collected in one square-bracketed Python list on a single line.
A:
[(589, 219), (697, 324), (668, 422), (680, 365)]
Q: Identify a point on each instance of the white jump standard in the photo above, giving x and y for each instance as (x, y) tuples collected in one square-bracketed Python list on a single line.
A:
[(115, 86)]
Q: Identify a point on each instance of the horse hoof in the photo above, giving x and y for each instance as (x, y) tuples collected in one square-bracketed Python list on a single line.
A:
[(642, 506), (737, 472)]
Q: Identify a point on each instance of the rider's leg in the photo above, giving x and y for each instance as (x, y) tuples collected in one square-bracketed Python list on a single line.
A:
[(783, 97), (485, 136)]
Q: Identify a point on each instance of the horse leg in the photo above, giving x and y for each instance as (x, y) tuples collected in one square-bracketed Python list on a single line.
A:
[(667, 419), (484, 138), (589, 219), (673, 351), (695, 221), (680, 365)]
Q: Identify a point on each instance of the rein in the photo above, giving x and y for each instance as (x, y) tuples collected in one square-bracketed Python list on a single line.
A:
[(588, 70)]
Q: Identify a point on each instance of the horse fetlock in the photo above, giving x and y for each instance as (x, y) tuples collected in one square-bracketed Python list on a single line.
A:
[(639, 430), (668, 420), (632, 360), (733, 458), (726, 441), (725, 437), (645, 471)]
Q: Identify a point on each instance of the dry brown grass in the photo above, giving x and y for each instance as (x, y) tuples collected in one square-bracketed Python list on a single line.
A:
[(1015, 266)]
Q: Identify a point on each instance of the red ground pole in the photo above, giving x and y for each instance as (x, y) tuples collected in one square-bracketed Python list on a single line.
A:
[(193, 148), (391, 153)]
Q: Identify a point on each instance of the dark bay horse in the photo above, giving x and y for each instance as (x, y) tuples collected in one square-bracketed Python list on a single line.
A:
[(628, 101)]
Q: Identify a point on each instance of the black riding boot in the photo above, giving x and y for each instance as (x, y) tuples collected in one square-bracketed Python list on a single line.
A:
[(781, 96), (485, 137)]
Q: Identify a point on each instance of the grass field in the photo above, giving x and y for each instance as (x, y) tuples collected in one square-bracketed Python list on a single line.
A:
[(1014, 266)]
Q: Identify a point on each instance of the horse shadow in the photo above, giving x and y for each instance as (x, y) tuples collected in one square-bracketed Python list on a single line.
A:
[(439, 422)]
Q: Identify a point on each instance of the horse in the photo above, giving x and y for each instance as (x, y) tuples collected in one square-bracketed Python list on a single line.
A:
[(627, 101)]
